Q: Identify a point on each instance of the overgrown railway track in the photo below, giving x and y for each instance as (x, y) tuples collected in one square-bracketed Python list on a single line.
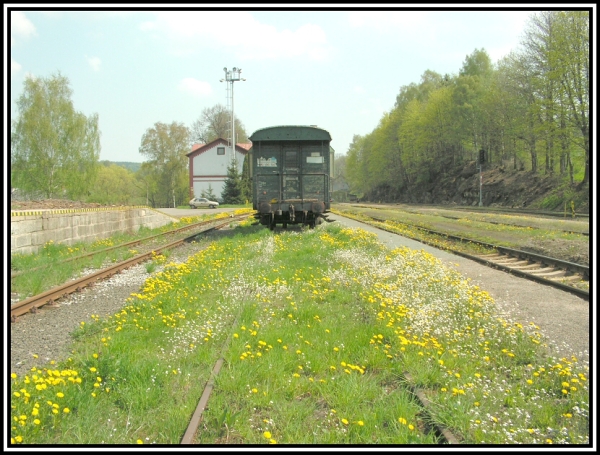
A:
[(564, 275), (429, 425), (14, 274), (32, 304)]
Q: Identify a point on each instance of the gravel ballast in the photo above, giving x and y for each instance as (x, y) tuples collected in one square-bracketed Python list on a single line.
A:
[(562, 317)]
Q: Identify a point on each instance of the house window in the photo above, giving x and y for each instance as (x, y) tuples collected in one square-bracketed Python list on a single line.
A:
[(220, 150)]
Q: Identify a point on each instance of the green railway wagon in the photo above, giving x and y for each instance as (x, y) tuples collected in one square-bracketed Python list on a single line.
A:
[(292, 170)]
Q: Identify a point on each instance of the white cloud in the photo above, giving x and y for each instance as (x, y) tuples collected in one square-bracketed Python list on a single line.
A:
[(94, 62), (385, 20), (240, 31), (195, 87), (20, 25), (14, 66)]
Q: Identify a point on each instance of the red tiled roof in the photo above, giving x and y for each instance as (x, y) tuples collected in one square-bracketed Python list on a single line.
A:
[(243, 145)]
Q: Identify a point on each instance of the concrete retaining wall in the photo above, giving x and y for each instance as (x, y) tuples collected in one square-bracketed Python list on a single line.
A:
[(31, 230)]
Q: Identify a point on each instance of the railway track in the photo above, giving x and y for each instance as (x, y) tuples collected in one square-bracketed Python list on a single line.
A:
[(196, 421), (14, 274), (488, 210), (32, 304), (443, 434), (569, 231), (564, 275)]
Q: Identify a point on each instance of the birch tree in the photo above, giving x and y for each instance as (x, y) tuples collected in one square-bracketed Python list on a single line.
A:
[(54, 149)]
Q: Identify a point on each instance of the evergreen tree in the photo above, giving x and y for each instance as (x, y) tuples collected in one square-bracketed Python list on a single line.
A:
[(208, 194), (246, 181), (232, 192)]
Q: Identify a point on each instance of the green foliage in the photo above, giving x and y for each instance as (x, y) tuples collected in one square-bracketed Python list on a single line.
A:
[(208, 194), (165, 175), (565, 194), (232, 190), (133, 167), (246, 182), (54, 148), (530, 110), (116, 185)]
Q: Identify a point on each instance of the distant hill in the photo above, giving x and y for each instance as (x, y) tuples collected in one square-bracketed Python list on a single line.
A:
[(133, 167)]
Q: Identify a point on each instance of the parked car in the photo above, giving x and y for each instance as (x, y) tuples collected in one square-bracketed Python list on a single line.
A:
[(203, 202)]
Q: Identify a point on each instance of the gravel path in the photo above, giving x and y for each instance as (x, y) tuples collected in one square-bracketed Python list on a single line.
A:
[(562, 317)]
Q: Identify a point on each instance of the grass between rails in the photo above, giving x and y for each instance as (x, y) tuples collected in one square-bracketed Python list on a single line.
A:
[(51, 267), (322, 325), (503, 230), (508, 235)]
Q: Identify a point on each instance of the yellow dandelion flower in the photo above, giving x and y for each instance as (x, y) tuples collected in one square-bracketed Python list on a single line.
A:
[(345, 421), (60, 394), (267, 434)]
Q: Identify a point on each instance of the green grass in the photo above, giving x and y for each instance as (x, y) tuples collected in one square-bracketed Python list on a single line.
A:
[(509, 231), (320, 328), (52, 265)]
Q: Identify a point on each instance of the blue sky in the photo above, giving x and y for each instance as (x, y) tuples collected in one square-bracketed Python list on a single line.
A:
[(340, 70)]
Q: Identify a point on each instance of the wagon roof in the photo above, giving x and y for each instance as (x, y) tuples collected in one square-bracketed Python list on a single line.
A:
[(290, 133)]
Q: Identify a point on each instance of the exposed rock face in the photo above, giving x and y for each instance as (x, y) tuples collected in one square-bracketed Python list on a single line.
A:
[(499, 187)]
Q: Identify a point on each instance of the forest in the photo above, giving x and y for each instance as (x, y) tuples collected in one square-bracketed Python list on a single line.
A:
[(527, 112)]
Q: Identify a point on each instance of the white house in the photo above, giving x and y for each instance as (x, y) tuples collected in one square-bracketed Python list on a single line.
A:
[(208, 165)]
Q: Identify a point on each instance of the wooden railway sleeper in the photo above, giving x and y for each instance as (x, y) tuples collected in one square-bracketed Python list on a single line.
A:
[(531, 265), (544, 271), (512, 261), (567, 278)]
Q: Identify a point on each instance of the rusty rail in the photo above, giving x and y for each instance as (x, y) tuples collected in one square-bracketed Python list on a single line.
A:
[(33, 303)]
